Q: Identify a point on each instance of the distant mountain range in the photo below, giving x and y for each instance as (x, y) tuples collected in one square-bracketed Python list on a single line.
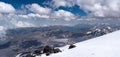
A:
[(27, 39)]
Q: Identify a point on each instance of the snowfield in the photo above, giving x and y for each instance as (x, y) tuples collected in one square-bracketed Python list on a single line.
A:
[(103, 46)]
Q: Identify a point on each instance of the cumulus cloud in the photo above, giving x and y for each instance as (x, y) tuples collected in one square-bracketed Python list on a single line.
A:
[(6, 8), (38, 9), (39, 12), (108, 8), (58, 3), (2, 35), (100, 8), (28, 15), (38, 16), (62, 14), (24, 24), (31, 15)]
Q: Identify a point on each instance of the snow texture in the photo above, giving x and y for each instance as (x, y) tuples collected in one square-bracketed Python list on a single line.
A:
[(103, 46)]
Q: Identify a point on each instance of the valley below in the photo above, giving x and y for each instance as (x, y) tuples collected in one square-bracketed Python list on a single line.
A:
[(22, 40)]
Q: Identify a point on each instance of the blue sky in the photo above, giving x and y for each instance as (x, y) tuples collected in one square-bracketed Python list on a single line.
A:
[(18, 3), (32, 13)]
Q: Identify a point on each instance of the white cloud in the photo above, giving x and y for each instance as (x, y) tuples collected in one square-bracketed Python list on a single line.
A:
[(1, 28), (58, 3), (24, 24), (2, 34), (38, 9), (23, 16), (39, 12), (6, 8), (32, 15), (62, 14), (35, 11), (101, 8), (108, 8), (47, 13), (38, 16)]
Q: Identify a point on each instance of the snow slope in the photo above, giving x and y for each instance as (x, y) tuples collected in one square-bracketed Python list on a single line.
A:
[(103, 46)]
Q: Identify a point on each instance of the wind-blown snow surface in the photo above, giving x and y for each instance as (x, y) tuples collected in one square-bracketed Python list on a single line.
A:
[(103, 46)]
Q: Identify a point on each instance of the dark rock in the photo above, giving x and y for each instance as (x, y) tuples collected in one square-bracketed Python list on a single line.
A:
[(72, 46), (37, 52), (29, 55), (57, 50), (47, 54), (48, 49)]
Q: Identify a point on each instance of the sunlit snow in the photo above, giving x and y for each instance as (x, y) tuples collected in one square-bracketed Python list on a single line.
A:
[(103, 46)]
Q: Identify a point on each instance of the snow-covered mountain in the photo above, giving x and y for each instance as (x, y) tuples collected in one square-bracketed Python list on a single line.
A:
[(103, 46)]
